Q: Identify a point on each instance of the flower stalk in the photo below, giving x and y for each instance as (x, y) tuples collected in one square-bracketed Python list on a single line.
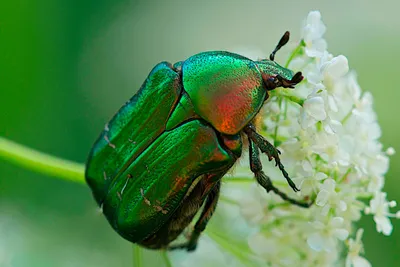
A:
[(41, 162)]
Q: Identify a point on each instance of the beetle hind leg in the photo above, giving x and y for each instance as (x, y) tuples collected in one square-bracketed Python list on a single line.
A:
[(200, 226), (264, 180)]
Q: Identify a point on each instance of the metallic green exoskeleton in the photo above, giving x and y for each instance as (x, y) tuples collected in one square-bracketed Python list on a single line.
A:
[(162, 156)]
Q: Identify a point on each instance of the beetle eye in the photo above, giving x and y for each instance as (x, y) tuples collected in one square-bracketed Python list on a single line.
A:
[(271, 83)]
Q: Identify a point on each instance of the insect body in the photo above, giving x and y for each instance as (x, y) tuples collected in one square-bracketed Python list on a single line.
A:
[(162, 156)]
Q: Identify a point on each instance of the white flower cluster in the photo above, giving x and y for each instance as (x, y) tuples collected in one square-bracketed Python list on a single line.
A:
[(328, 133)]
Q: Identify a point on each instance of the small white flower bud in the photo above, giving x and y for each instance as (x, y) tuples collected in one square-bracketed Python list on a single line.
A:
[(390, 151), (398, 215), (392, 204), (367, 210)]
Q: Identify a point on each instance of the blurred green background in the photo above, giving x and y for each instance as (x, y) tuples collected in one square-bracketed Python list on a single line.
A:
[(67, 66)]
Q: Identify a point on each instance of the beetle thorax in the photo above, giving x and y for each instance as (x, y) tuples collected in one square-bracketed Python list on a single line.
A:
[(226, 89)]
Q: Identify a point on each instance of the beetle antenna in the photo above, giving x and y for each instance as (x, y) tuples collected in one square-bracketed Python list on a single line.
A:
[(282, 42)]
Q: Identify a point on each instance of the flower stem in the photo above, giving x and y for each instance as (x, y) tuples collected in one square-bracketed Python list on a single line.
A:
[(240, 252), (166, 259), (297, 51), (276, 144), (286, 94), (238, 179), (137, 256), (228, 200), (365, 195), (348, 115), (292, 98), (244, 180), (41, 162)]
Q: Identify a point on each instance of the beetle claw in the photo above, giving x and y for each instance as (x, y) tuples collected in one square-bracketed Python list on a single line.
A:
[(188, 246)]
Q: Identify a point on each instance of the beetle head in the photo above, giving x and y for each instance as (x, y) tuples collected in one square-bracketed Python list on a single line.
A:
[(278, 81), (273, 74)]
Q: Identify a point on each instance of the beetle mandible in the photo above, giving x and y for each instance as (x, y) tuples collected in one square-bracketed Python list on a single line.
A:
[(162, 156)]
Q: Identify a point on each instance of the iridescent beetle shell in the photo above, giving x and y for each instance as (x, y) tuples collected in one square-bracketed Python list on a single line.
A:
[(162, 156)]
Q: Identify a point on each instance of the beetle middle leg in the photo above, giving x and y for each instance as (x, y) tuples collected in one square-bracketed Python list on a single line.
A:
[(261, 177), (200, 226)]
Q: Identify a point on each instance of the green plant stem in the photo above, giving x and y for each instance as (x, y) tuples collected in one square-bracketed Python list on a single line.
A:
[(286, 94), (297, 51), (41, 162), (137, 256), (244, 180), (277, 123), (242, 253), (348, 115), (166, 259), (228, 200)]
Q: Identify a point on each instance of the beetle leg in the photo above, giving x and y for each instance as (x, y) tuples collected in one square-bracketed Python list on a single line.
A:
[(200, 226), (264, 180), (272, 153)]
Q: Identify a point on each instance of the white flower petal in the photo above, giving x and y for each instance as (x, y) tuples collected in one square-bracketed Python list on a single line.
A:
[(318, 225), (341, 234), (360, 262), (336, 68), (342, 205), (306, 166), (320, 176), (315, 107), (329, 185), (325, 210), (329, 244), (259, 244), (316, 242), (322, 198), (383, 225), (337, 222), (332, 104)]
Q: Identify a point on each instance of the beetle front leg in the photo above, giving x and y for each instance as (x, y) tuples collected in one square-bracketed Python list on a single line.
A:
[(200, 226), (264, 180), (272, 153)]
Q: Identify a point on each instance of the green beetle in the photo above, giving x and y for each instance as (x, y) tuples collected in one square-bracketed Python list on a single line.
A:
[(162, 156)]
